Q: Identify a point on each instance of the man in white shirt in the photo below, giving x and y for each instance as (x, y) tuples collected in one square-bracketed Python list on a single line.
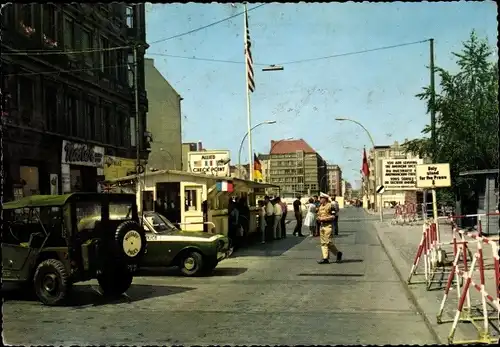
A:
[(277, 218), (269, 217)]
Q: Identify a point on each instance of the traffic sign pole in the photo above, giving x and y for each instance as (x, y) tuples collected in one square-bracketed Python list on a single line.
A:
[(380, 191)]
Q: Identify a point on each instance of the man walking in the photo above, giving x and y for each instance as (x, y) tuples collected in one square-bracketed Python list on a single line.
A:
[(325, 217), (277, 218), (335, 222), (297, 209), (284, 209)]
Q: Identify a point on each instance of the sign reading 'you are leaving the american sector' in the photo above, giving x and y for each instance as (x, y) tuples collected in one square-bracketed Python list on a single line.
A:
[(399, 174)]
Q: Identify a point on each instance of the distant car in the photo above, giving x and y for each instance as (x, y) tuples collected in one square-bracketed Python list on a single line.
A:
[(195, 253)]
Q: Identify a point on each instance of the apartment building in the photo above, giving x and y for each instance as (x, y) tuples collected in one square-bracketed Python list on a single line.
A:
[(334, 179), (66, 114), (296, 168)]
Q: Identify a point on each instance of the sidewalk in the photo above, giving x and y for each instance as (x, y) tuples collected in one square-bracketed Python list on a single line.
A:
[(400, 244)]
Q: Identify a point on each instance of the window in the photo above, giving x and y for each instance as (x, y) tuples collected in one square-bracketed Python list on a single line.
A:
[(120, 211), (130, 65), (191, 199), (99, 124), (72, 114), (29, 176), (26, 98), (69, 33), (129, 14), (49, 24), (133, 135), (50, 107), (87, 214), (90, 116), (109, 125), (86, 45), (105, 55), (120, 66)]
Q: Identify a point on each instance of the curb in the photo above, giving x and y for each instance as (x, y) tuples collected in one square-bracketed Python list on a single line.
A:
[(394, 258)]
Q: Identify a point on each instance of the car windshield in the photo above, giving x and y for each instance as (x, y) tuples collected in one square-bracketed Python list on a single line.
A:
[(160, 223)]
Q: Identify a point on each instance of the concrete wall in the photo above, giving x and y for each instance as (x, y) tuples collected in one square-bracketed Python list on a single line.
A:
[(164, 120)]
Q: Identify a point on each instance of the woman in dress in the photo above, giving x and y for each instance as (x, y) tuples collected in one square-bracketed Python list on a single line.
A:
[(310, 220)]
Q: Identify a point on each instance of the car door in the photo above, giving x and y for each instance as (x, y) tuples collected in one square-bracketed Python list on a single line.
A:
[(159, 252)]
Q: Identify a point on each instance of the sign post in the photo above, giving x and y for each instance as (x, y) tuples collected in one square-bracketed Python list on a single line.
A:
[(433, 176), (380, 191)]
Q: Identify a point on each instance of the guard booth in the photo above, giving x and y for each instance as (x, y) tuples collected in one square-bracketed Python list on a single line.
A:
[(484, 200), (196, 202)]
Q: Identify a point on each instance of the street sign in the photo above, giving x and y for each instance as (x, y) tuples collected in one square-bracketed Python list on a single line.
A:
[(380, 189), (433, 175), (399, 174)]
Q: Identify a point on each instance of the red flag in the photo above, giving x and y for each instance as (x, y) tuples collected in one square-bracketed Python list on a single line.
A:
[(364, 168)]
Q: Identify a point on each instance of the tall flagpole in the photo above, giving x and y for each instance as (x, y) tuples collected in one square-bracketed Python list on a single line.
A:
[(249, 118)]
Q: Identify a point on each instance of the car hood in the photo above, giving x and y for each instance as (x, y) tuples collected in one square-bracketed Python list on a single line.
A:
[(199, 234)]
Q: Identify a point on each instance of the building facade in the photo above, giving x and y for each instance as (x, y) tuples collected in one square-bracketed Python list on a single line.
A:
[(296, 168), (164, 120), (186, 148), (65, 113), (334, 179)]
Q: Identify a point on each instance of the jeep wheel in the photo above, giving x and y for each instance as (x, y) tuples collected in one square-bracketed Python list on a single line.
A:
[(51, 282), (191, 264), (113, 285)]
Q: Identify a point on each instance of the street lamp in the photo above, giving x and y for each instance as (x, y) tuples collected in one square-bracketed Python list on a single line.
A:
[(373, 145), (243, 140), (273, 68)]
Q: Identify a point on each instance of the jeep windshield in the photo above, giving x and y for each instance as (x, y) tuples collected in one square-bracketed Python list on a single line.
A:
[(159, 223)]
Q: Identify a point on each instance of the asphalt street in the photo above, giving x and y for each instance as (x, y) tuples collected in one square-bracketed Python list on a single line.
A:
[(267, 294)]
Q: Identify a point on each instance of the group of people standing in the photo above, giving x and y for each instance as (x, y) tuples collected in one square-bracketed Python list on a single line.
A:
[(322, 219), (272, 218), (239, 217)]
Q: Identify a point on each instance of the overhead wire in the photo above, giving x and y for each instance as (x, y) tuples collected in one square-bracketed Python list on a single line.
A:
[(206, 26)]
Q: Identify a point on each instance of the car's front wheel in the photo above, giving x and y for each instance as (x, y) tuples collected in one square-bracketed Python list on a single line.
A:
[(51, 282), (115, 284), (191, 263)]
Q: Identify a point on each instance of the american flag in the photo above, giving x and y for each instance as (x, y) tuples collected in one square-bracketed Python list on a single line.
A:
[(197, 163), (248, 56)]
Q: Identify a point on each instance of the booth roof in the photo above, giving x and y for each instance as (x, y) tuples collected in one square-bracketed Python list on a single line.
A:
[(192, 174)]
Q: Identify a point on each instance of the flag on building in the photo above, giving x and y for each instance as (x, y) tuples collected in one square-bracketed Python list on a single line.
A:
[(197, 163), (225, 186), (257, 169), (248, 56), (365, 168)]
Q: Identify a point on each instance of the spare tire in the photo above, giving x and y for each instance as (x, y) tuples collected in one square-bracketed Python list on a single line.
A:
[(130, 242)]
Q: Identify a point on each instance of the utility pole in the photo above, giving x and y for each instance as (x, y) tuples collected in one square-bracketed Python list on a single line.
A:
[(137, 130), (433, 100)]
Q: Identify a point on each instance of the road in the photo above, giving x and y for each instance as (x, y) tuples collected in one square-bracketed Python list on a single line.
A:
[(267, 294)]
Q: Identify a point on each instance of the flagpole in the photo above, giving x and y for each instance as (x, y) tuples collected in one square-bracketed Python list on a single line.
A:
[(249, 119)]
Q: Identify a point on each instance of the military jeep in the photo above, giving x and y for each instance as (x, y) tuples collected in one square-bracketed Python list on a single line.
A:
[(52, 241)]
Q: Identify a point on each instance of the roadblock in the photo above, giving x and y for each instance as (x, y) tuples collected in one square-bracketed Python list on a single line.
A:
[(405, 214), (482, 278)]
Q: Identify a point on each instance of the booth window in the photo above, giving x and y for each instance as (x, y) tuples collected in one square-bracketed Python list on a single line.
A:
[(191, 199)]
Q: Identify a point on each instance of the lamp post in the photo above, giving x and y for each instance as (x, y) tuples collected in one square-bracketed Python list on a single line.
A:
[(243, 140), (375, 170), (270, 154)]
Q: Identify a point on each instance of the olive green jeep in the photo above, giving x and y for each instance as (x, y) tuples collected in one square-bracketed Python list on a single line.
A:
[(50, 242)]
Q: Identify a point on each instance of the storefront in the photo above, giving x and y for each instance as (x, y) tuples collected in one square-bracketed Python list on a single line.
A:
[(82, 167)]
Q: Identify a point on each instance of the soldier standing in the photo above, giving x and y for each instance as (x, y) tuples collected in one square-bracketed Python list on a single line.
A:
[(325, 217)]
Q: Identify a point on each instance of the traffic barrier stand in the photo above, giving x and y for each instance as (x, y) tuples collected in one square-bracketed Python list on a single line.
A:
[(466, 312), (398, 215), (433, 256)]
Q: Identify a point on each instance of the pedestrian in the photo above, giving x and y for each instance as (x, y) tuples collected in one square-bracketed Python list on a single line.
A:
[(284, 210), (269, 217), (234, 225), (297, 210), (262, 220), (277, 218), (316, 203), (325, 216), (310, 220), (335, 222)]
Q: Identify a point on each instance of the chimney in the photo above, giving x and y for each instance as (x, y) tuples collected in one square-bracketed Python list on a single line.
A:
[(200, 147)]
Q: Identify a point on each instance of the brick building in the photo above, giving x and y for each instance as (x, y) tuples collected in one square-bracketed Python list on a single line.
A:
[(296, 167), (65, 114)]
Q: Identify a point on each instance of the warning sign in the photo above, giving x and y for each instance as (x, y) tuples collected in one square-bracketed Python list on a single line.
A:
[(399, 174), (433, 176)]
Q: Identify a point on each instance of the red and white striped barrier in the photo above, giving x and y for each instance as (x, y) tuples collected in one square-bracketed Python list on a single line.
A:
[(404, 214), (460, 272)]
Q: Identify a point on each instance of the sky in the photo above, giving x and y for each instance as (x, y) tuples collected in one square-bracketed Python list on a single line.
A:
[(375, 88)]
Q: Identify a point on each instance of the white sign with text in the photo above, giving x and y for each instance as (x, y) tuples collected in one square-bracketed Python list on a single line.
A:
[(213, 163), (433, 175), (399, 174)]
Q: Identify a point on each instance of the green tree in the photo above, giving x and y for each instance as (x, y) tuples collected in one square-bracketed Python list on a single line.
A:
[(466, 111)]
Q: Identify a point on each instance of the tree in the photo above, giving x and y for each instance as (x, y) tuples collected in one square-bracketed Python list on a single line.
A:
[(466, 115)]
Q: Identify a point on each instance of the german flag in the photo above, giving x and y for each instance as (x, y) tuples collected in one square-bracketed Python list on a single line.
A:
[(257, 169)]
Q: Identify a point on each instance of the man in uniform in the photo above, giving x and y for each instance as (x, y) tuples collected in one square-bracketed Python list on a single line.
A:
[(325, 217)]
